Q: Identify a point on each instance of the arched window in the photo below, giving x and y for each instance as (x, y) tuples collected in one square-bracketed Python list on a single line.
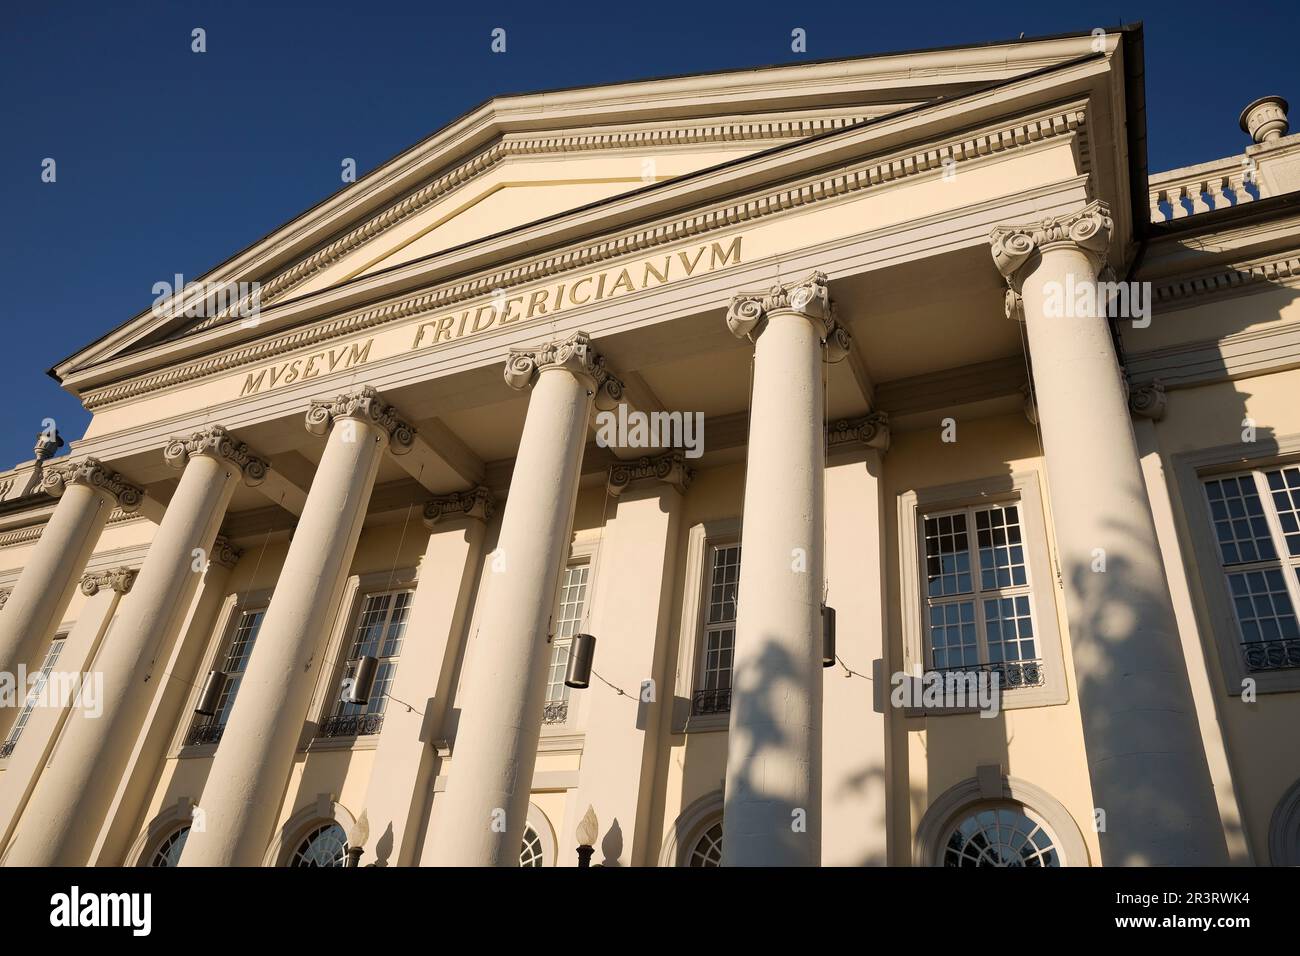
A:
[(168, 852), (324, 845), (707, 850), (530, 851), (1284, 830), (1001, 835)]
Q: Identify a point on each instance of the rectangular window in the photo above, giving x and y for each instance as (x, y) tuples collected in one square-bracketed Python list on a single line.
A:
[(379, 633), (1256, 519), (978, 605), (33, 696), (568, 620), (208, 730), (718, 643)]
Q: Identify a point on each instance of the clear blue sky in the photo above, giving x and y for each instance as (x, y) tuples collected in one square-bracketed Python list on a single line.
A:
[(170, 161)]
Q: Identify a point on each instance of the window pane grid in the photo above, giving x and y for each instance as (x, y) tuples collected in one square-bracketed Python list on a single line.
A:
[(1256, 521), (978, 595), (718, 645), (568, 619), (33, 695), (381, 627), (233, 664)]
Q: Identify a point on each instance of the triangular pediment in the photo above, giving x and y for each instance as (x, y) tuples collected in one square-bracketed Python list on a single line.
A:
[(521, 160)]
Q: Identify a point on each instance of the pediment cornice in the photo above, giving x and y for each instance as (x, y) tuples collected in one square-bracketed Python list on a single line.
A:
[(707, 105), (886, 171)]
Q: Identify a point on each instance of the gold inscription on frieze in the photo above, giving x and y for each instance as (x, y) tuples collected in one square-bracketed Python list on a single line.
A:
[(584, 291)]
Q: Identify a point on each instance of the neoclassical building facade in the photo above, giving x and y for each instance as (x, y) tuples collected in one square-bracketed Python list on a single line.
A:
[(815, 394)]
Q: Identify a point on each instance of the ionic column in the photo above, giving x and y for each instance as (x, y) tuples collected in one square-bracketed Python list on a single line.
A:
[(480, 819), (1146, 758), (87, 491), (243, 791), (68, 806), (772, 815)]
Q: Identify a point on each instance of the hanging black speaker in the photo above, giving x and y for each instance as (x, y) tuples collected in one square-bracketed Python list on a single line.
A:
[(828, 636), (363, 680), (582, 650), (210, 699)]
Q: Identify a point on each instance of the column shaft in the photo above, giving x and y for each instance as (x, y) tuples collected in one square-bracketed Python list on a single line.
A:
[(1146, 758), (68, 805), (480, 819), (242, 796), (88, 491), (772, 813)]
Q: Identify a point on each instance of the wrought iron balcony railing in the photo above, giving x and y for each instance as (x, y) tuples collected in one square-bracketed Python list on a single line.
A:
[(715, 701), (351, 725), (208, 732), (555, 712), (1272, 655), (1012, 675)]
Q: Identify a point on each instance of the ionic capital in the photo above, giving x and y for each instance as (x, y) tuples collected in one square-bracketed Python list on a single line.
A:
[(93, 473), (4, 596), (474, 503), (225, 553), (575, 355), (871, 431), (1087, 229), (363, 405), (747, 314), (118, 579), (670, 469), (216, 442), (1148, 400)]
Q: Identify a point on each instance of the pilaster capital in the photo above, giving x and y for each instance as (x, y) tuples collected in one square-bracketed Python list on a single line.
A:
[(670, 468), (1013, 247), (118, 579), (4, 596), (575, 355), (871, 430), (475, 503), (1148, 400), (216, 442), (810, 297), (225, 553), (93, 473), (366, 405)]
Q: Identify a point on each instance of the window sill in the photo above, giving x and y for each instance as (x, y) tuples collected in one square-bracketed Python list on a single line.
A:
[(326, 744)]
